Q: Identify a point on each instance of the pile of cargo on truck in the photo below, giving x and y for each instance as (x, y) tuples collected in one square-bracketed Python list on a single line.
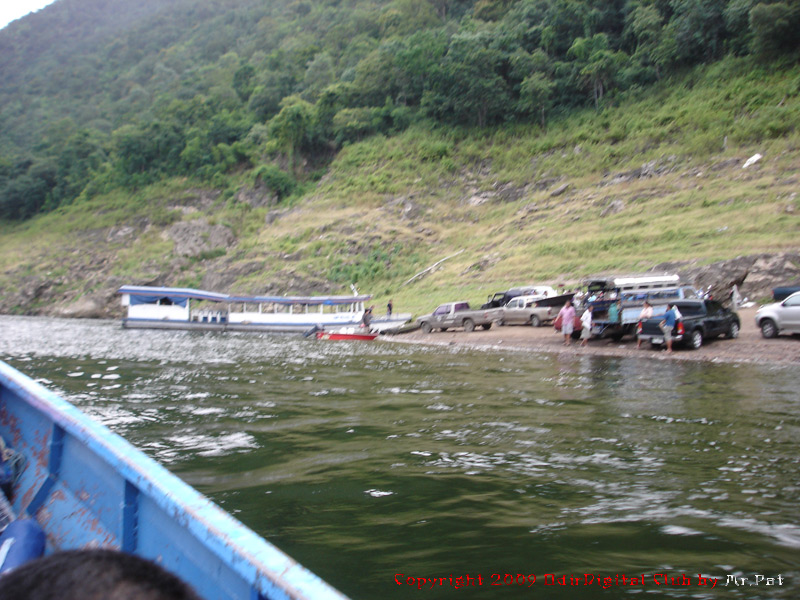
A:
[(618, 300), (545, 296)]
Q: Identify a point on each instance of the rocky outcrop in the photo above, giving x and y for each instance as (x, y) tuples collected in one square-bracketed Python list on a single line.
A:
[(84, 308), (755, 274), (196, 237)]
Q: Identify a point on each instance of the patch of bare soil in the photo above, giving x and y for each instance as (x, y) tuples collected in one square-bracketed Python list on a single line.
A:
[(749, 347)]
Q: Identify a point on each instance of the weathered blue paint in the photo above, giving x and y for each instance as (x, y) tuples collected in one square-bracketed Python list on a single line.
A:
[(88, 487)]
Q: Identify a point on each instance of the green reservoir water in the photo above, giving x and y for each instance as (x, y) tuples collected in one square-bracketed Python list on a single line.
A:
[(381, 466)]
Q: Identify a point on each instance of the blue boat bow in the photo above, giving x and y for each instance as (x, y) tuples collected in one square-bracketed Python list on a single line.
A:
[(88, 487)]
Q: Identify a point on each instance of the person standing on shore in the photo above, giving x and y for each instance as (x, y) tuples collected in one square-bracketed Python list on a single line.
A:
[(614, 311), (366, 318), (647, 313), (389, 308), (667, 324), (586, 325), (736, 298), (567, 314)]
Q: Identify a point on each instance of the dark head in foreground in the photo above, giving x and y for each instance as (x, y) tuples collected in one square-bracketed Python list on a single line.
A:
[(93, 575)]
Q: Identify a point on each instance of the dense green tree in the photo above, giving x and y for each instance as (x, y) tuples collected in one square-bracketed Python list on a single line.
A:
[(79, 159), (775, 28), (598, 64), (737, 23), (332, 99), (491, 10), (535, 95), (699, 29), (244, 81), (378, 76), (291, 125), (645, 26), (319, 75), (144, 152), (402, 17), (26, 186), (468, 87), (418, 60), (562, 25), (265, 101), (351, 124)]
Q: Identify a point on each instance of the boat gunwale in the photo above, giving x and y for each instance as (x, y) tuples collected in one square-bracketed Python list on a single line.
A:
[(262, 565)]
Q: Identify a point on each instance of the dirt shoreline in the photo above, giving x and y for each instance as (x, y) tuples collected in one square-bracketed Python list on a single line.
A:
[(749, 347)]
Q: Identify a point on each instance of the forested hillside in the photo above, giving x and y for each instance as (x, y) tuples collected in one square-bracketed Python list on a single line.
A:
[(299, 147), (102, 95)]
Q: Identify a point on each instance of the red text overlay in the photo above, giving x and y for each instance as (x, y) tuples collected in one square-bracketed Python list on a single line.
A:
[(642, 580)]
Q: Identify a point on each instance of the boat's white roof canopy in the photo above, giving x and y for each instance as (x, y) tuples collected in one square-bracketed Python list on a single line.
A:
[(191, 293)]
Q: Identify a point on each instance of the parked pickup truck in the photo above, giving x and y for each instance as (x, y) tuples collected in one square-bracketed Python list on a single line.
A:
[(525, 310), (547, 296), (458, 314), (700, 320)]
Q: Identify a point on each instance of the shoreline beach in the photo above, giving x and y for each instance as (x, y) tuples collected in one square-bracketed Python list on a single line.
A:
[(749, 347)]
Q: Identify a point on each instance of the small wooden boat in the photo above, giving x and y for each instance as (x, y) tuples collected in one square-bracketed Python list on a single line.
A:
[(349, 333), (86, 487)]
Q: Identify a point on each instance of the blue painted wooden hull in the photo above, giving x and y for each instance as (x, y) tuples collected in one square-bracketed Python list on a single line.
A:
[(88, 487)]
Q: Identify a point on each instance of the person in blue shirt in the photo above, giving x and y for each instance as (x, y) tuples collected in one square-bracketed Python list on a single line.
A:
[(613, 311), (667, 324)]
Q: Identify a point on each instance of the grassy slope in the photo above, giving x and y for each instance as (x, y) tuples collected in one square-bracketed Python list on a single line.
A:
[(388, 208)]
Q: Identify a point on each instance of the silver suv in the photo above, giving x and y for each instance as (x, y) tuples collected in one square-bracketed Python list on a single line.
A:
[(780, 317)]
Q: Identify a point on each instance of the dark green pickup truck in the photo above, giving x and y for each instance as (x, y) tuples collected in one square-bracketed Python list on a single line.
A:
[(700, 320)]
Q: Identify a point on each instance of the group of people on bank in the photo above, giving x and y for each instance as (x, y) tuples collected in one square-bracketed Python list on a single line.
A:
[(566, 320)]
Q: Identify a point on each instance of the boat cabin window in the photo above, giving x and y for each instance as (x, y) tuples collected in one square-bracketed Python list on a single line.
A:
[(165, 301)]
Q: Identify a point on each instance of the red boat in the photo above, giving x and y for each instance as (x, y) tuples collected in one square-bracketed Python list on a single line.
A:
[(347, 334)]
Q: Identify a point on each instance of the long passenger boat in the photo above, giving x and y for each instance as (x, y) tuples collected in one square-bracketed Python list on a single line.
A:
[(86, 487), (186, 308)]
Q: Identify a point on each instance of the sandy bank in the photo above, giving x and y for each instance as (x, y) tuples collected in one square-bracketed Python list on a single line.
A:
[(749, 347)]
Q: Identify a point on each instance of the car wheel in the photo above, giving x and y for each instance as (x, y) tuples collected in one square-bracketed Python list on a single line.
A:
[(426, 327), (733, 331), (469, 325), (535, 321), (695, 339), (768, 328)]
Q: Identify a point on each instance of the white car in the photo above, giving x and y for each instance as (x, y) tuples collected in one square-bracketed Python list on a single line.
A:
[(780, 317)]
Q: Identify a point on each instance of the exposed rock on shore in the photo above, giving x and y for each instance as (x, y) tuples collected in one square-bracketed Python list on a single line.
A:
[(755, 275)]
